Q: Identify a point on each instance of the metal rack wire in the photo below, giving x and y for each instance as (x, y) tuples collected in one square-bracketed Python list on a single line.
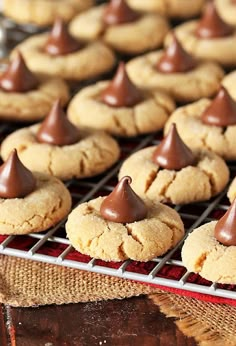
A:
[(53, 247)]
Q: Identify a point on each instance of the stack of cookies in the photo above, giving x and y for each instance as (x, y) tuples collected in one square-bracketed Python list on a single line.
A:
[(102, 74)]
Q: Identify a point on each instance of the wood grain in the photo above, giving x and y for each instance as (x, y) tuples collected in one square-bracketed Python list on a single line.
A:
[(135, 321)]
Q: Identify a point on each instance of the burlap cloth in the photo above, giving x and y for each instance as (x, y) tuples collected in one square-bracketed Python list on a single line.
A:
[(28, 283)]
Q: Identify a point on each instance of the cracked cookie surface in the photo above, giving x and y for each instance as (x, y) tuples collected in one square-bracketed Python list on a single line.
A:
[(191, 184), (43, 12), (35, 104), (221, 50), (145, 33), (202, 81), (49, 203), (87, 109), (169, 8), (79, 65), (203, 254), (92, 154), (143, 240), (221, 140)]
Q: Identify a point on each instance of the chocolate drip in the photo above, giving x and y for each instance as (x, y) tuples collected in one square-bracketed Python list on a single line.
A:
[(211, 25), (60, 42), (222, 110), (123, 205), (56, 129), (17, 77), (172, 153), (16, 181), (121, 92), (175, 59), (225, 229), (118, 12)]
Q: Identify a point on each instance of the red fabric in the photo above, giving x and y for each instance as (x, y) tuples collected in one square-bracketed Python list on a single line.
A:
[(168, 271)]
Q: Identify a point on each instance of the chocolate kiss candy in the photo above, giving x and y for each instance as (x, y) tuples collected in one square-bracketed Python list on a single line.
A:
[(211, 25), (17, 77), (56, 129), (118, 12), (225, 229), (222, 110), (176, 59), (121, 92), (172, 153), (60, 42), (123, 205), (16, 181)]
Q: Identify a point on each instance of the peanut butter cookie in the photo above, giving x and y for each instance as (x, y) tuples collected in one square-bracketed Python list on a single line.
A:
[(43, 12), (169, 8), (131, 36)]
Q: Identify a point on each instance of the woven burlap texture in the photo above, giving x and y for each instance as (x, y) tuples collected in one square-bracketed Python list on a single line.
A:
[(29, 283)]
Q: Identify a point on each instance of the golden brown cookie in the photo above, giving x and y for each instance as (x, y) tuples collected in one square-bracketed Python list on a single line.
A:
[(169, 8), (87, 109), (229, 82), (43, 12), (202, 81), (145, 33), (227, 10), (197, 135), (35, 104), (221, 50), (202, 253), (48, 204), (198, 182), (92, 154), (79, 65), (142, 240)]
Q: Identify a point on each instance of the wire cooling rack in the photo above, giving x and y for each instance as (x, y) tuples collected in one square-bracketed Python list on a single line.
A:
[(53, 246)]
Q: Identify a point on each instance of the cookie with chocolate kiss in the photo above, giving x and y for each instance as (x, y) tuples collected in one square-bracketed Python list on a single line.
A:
[(59, 41), (18, 78), (173, 173), (121, 27), (121, 92), (210, 249), (208, 38), (175, 59), (121, 226), (123, 205), (118, 12), (56, 129), (211, 25), (221, 111), (172, 152)]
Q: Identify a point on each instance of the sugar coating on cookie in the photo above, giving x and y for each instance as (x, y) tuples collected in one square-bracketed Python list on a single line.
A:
[(92, 154), (202, 81), (48, 204), (143, 240), (43, 12), (145, 33), (169, 8), (79, 65), (202, 253), (197, 135), (193, 183), (147, 116)]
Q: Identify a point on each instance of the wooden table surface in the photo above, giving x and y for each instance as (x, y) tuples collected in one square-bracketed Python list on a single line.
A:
[(134, 321)]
